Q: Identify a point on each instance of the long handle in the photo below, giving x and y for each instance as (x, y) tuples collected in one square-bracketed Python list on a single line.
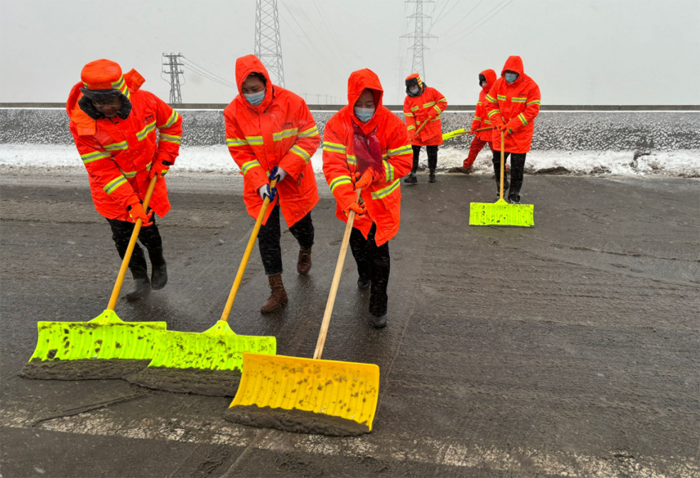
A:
[(246, 256), (130, 248), (334, 285), (420, 128), (503, 158), (483, 129)]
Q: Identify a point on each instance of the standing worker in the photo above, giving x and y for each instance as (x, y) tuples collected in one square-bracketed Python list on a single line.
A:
[(486, 80), (365, 147), (423, 104), (114, 125), (270, 134), (512, 105)]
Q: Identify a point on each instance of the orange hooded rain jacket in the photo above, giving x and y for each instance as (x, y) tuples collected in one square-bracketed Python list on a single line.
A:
[(427, 106), (278, 132), (480, 118), (383, 197), (516, 105), (118, 153)]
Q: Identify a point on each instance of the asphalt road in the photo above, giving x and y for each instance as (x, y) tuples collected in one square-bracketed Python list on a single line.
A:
[(569, 349)]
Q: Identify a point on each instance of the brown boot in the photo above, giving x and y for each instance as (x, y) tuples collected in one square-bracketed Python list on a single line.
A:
[(304, 262), (278, 297)]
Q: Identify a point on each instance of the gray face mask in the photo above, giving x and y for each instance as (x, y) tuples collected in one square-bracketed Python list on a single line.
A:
[(511, 77), (255, 98), (364, 114), (414, 91), (483, 83)]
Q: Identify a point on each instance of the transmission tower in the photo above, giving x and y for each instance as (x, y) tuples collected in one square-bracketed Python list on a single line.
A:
[(173, 66), (419, 35), (268, 43)]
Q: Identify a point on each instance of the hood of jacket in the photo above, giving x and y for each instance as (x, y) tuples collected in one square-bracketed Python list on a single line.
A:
[(491, 77), (514, 63), (358, 82), (246, 65)]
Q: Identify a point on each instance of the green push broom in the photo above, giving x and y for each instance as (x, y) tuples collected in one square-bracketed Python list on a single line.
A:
[(501, 213), (207, 363), (106, 347)]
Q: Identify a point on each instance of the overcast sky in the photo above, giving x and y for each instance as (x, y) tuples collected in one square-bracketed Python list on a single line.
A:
[(579, 51)]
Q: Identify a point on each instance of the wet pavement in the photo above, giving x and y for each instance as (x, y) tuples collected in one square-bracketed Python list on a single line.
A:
[(569, 349)]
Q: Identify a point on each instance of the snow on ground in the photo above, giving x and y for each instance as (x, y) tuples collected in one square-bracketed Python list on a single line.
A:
[(677, 163)]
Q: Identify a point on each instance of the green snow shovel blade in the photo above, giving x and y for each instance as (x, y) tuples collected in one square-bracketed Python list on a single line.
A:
[(103, 348), (207, 363), (501, 213)]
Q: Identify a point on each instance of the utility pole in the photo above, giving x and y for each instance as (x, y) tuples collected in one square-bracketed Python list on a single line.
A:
[(173, 67), (268, 42), (419, 35)]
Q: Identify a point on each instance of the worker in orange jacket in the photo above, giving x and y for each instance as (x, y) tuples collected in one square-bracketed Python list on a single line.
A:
[(486, 80), (423, 104), (271, 134), (512, 104), (125, 136), (366, 148)]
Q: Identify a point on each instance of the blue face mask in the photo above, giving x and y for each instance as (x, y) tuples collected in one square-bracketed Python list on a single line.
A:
[(364, 114), (255, 98), (511, 77), (414, 91)]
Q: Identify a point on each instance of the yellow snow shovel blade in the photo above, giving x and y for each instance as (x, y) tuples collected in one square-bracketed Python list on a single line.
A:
[(461, 131), (309, 395), (106, 337), (501, 213)]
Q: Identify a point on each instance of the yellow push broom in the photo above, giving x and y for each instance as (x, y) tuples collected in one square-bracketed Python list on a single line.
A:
[(461, 131), (501, 213), (206, 363), (309, 395), (105, 347)]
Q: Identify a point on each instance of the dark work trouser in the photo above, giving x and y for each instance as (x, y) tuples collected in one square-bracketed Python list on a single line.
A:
[(149, 237), (517, 168), (432, 157), (373, 262), (269, 240)]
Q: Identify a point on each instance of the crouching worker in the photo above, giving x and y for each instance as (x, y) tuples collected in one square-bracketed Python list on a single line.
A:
[(271, 134), (366, 147), (125, 136)]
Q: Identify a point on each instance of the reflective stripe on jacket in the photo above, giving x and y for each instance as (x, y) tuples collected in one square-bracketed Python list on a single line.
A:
[(481, 119), (428, 106)]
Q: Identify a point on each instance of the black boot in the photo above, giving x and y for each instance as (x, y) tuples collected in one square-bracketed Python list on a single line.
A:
[(431, 178), (411, 179), (159, 274), (377, 310), (143, 286)]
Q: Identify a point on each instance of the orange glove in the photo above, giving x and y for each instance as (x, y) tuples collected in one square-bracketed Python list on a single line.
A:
[(136, 212), (365, 180), (359, 209), (502, 127), (160, 168)]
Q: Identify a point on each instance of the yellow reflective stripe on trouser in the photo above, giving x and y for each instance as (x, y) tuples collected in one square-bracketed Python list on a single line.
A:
[(128, 174), (171, 120), (521, 99), (338, 181), (247, 166), (170, 138), (111, 186), (384, 192), (522, 119), (300, 152), (234, 142), (491, 99), (351, 160), (309, 132), (334, 147), (94, 156), (254, 140), (141, 135), (116, 146), (389, 169), (493, 112), (285, 133), (533, 102), (402, 150)]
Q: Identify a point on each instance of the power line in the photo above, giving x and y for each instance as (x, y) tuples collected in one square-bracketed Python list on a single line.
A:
[(342, 53), (175, 70), (465, 17), (209, 73), (506, 2), (268, 40), (447, 14), (419, 36)]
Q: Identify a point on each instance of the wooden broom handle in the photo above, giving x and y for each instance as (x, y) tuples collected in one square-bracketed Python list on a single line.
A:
[(130, 248), (246, 256), (334, 285)]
